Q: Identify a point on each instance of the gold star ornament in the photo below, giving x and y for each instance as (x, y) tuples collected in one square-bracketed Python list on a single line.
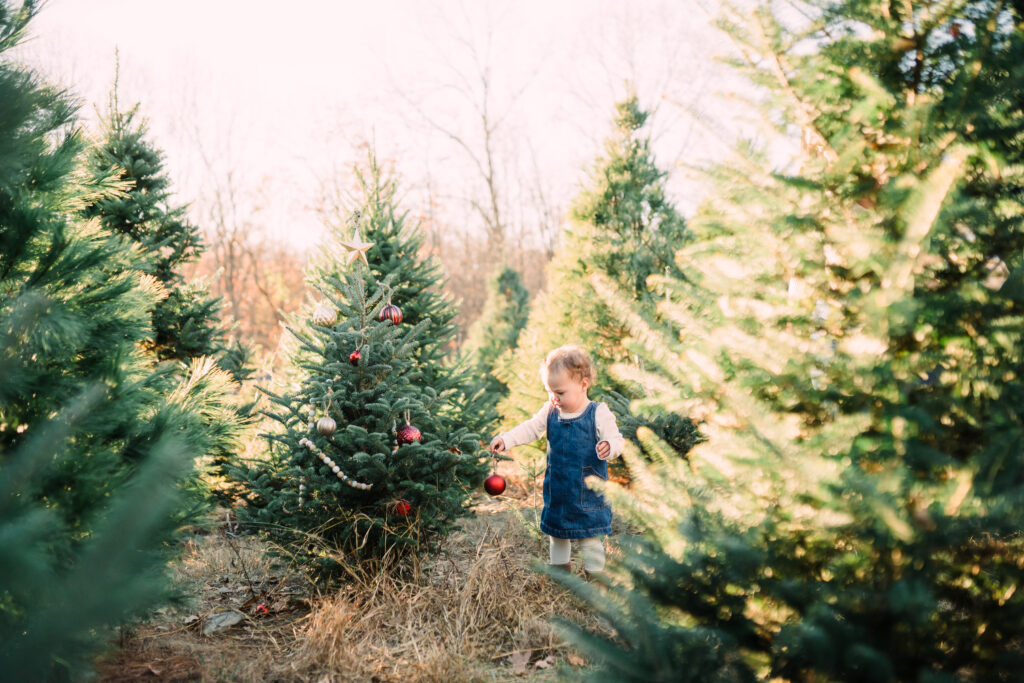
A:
[(357, 249)]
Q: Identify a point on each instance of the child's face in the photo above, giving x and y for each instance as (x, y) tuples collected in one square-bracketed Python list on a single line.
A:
[(566, 393)]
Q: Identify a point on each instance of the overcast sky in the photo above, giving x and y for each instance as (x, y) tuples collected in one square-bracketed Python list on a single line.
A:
[(278, 96)]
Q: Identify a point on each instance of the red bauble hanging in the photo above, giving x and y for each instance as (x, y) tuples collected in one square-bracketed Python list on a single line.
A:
[(403, 507), (354, 357), (494, 484), (391, 312), (408, 434)]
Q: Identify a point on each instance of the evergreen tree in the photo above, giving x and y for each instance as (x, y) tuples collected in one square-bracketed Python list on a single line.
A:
[(416, 281), (93, 441), (496, 332), (186, 319), (625, 228), (359, 487), (852, 336)]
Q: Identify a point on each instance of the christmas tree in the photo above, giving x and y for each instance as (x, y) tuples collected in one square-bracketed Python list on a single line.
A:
[(396, 251), (496, 333), (94, 443), (623, 227), (186, 320), (369, 464), (186, 317), (852, 340)]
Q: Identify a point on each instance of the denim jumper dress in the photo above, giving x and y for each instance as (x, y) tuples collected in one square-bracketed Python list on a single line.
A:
[(571, 510)]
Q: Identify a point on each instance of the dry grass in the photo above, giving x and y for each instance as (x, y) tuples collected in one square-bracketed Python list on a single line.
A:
[(471, 609), (475, 611), (219, 573)]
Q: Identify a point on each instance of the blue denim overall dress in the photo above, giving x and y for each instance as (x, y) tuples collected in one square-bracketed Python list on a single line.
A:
[(571, 510)]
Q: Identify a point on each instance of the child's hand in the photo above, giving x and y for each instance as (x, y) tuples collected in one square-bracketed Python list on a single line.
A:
[(604, 449), (497, 445)]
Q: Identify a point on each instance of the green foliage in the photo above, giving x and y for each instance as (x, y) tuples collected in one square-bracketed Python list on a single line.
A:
[(95, 445), (368, 401), (496, 332), (851, 337), (186, 316), (185, 320), (54, 614), (402, 374), (625, 229), (678, 433), (416, 287)]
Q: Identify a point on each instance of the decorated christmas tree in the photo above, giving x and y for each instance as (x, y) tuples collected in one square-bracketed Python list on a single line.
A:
[(369, 463), (395, 251), (852, 339), (95, 445), (625, 228)]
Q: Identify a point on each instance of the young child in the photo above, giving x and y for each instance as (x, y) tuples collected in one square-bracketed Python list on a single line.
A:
[(582, 436)]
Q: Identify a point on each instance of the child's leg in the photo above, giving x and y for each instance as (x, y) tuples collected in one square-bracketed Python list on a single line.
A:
[(559, 550), (592, 550)]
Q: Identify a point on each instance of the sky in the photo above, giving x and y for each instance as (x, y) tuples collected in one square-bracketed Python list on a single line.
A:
[(276, 100)]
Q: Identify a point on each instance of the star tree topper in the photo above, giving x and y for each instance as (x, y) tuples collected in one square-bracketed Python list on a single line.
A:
[(357, 249)]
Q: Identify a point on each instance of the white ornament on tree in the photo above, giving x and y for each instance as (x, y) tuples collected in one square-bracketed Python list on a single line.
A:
[(324, 315)]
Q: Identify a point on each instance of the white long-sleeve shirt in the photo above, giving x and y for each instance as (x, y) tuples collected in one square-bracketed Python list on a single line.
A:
[(536, 427)]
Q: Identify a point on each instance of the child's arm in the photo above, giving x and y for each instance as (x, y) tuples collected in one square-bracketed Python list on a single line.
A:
[(531, 430), (609, 440)]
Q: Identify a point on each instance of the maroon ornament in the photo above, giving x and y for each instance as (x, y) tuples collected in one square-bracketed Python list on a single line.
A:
[(354, 357), (408, 434), (403, 507), (391, 312), (494, 484)]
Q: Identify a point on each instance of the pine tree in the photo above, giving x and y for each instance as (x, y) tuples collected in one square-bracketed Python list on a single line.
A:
[(623, 227), (341, 481), (416, 281), (852, 337), (186, 320), (94, 443), (186, 317), (496, 333)]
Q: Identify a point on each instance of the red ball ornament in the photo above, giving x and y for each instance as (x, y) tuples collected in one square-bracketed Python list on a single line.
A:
[(408, 434), (403, 507), (494, 484), (391, 312), (354, 357)]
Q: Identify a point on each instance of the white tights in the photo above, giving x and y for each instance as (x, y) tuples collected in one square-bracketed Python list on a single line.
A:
[(592, 550)]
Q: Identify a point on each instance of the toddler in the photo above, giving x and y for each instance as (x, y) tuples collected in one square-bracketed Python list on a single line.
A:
[(582, 436)]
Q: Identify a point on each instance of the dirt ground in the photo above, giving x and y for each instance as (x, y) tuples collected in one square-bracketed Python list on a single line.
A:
[(474, 611)]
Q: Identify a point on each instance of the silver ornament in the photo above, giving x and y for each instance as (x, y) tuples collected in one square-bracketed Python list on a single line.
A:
[(326, 426)]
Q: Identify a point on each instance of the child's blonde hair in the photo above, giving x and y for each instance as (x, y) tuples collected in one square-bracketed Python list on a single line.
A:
[(572, 360)]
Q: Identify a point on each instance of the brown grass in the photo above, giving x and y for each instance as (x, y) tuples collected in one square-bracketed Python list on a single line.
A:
[(466, 614), (469, 611), (219, 573)]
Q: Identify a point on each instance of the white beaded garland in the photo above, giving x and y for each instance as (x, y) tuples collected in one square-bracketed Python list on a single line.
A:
[(334, 468)]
